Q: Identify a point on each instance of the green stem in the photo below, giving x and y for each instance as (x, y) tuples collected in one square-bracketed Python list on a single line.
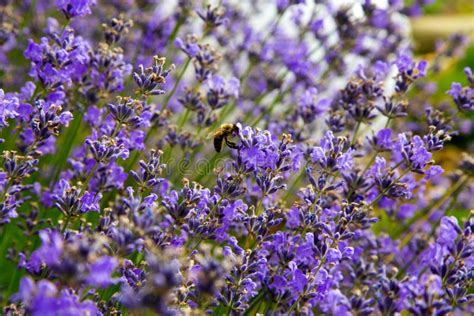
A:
[(66, 147), (426, 212), (213, 209), (294, 185), (239, 283), (153, 129), (354, 137), (259, 206), (274, 308), (212, 163), (8, 137), (85, 293), (175, 86), (367, 166), (255, 301), (295, 304), (206, 219), (183, 119), (4, 193), (11, 180), (275, 26), (138, 258), (226, 110), (292, 308), (174, 33), (13, 282), (66, 223), (272, 106), (89, 177), (382, 194), (373, 184)]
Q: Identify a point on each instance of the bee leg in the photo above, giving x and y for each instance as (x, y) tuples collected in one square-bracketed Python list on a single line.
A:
[(231, 144)]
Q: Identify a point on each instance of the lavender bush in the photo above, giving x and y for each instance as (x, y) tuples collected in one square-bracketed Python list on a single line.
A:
[(330, 192)]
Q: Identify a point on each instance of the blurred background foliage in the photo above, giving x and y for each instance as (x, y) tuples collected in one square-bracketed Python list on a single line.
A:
[(449, 6), (439, 21)]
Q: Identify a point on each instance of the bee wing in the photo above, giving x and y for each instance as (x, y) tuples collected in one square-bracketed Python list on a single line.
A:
[(210, 135)]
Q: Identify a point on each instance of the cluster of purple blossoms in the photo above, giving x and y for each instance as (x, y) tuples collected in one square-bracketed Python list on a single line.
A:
[(236, 158)]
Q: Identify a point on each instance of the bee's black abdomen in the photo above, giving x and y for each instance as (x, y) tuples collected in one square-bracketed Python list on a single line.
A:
[(218, 143)]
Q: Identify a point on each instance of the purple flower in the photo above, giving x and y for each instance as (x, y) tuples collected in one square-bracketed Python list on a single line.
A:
[(191, 48), (221, 90), (43, 298), (50, 251), (408, 71), (8, 108), (33, 51), (278, 284), (260, 152), (448, 230), (282, 5), (336, 303), (148, 80), (462, 96), (333, 255), (332, 153), (421, 156), (347, 252), (308, 106), (434, 171), (65, 117), (90, 202), (293, 219), (72, 8), (3, 178), (284, 213), (406, 64), (380, 69), (456, 89), (100, 272), (412, 152), (468, 73), (344, 161), (106, 149), (8, 207), (384, 139), (406, 211), (93, 115), (299, 281), (59, 62)]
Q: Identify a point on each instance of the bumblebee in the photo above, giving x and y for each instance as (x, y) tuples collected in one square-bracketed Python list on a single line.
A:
[(222, 135)]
